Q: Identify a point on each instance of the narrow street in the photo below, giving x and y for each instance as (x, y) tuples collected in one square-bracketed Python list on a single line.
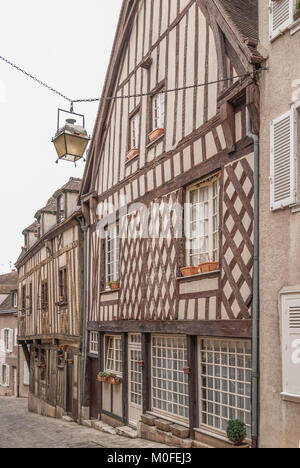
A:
[(21, 429)]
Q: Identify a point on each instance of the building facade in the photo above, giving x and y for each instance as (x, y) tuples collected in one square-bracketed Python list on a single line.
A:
[(169, 184), (50, 272), (280, 226), (14, 372)]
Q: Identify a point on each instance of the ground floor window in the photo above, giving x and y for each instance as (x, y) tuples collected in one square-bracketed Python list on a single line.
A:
[(113, 354), (94, 342), (135, 369), (4, 375), (169, 382), (225, 370)]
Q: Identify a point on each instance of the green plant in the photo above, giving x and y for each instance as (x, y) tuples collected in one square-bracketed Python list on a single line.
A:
[(107, 374), (236, 431), (298, 5)]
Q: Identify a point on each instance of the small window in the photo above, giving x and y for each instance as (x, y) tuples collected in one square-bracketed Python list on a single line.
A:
[(158, 111), (202, 216), (4, 375), (63, 289), (24, 300), (94, 342), (134, 132), (290, 313), (7, 340), (112, 254), (15, 299), (61, 209), (44, 295), (113, 355), (30, 299)]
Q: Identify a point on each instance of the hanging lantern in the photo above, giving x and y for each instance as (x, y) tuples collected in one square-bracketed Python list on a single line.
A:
[(71, 140)]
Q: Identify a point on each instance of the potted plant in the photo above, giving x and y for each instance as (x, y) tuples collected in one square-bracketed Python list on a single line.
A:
[(155, 134), (114, 285), (297, 11), (102, 376), (187, 370), (132, 153), (189, 271), (236, 432)]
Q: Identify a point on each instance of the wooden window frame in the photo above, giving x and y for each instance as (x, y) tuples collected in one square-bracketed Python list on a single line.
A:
[(30, 306), (61, 214), (116, 350), (24, 300), (94, 343), (44, 296), (63, 286), (116, 251), (132, 116), (14, 299)]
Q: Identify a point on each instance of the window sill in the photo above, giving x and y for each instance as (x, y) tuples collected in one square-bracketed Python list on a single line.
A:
[(155, 142), (291, 398), (131, 160), (216, 435), (199, 276), (109, 291), (293, 28)]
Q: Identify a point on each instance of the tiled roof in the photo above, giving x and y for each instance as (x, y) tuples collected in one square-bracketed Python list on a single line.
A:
[(73, 185), (244, 15)]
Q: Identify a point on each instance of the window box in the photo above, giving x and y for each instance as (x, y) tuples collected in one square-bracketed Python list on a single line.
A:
[(189, 271), (106, 377), (114, 285), (209, 266), (155, 134), (132, 153)]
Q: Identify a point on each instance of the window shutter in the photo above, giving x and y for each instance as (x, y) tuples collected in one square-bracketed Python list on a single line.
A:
[(291, 343), (10, 341), (2, 347), (7, 375), (283, 160), (281, 16), (16, 337), (26, 374)]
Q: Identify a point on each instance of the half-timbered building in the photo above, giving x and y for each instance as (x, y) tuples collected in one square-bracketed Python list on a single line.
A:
[(173, 350), (50, 303)]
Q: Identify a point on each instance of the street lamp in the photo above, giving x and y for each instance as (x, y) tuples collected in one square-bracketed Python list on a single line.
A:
[(71, 140)]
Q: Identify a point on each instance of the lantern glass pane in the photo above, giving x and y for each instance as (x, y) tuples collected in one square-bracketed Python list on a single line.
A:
[(60, 146), (76, 145)]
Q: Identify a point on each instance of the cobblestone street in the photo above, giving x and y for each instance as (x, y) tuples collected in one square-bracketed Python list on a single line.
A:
[(21, 429)]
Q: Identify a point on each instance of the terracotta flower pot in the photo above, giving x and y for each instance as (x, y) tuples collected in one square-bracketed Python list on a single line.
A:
[(101, 379), (132, 153), (116, 381), (114, 285), (208, 266), (155, 134), (186, 370), (141, 363), (189, 271)]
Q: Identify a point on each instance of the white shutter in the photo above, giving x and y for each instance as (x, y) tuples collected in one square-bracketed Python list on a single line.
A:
[(16, 337), (26, 374), (7, 376), (283, 160), (10, 340), (281, 16), (2, 347), (291, 343)]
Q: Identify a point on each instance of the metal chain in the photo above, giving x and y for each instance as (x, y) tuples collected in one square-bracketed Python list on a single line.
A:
[(110, 98)]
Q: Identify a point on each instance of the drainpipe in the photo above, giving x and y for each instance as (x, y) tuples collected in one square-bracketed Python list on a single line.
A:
[(84, 229), (255, 314), (18, 373)]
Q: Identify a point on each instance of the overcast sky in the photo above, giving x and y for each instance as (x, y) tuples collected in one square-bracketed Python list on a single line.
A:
[(67, 44)]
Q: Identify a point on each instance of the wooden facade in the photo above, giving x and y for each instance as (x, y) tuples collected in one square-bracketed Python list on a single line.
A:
[(50, 307), (163, 46)]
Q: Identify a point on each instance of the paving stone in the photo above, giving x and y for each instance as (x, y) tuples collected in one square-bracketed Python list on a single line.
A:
[(126, 431), (67, 419), (87, 423), (21, 429)]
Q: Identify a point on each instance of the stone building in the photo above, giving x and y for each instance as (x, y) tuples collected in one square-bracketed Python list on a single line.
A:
[(279, 28), (14, 372), (50, 272)]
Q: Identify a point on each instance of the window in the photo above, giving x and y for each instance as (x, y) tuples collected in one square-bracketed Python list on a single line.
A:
[(26, 374), (30, 299), (281, 16), (63, 290), (113, 356), (61, 209), (135, 369), (44, 296), (158, 111), (290, 316), (94, 343), (225, 370), (7, 340), (112, 254), (4, 375), (202, 222), (15, 299), (24, 300), (283, 160), (169, 382), (134, 133)]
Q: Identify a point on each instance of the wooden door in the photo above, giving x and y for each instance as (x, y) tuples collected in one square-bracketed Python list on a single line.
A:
[(135, 394), (94, 388)]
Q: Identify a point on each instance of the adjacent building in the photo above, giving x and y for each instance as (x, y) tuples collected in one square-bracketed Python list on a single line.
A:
[(50, 272), (14, 372), (280, 225), (169, 183)]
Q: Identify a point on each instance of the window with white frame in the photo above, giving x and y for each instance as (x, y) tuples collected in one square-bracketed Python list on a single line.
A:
[(290, 318), (15, 299), (225, 383), (26, 374), (202, 222), (4, 375), (169, 382), (158, 111), (283, 164), (113, 354), (7, 340), (112, 254), (134, 133), (281, 16), (135, 369), (94, 342)]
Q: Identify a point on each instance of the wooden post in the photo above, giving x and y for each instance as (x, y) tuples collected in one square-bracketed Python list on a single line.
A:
[(193, 384), (146, 356), (125, 376)]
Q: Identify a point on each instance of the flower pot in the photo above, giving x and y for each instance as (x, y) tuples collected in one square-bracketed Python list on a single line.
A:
[(141, 363), (236, 443), (208, 266), (110, 380), (155, 134), (186, 370), (116, 381), (101, 379), (114, 286), (132, 153), (189, 271)]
